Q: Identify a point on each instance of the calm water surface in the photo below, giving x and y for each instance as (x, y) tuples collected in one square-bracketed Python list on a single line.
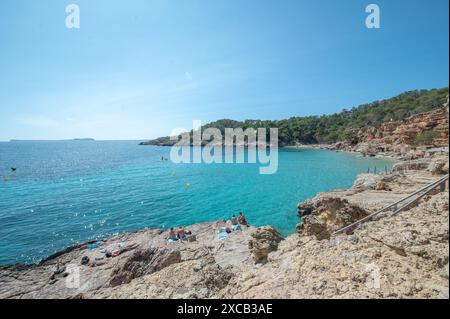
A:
[(72, 191)]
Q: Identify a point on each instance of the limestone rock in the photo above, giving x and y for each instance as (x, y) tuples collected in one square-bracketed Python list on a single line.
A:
[(191, 279), (313, 226), (367, 181), (445, 272), (400, 256), (187, 269), (329, 213), (264, 241), (439, 166), (144, 262), (382, 186), (398, 137), (411, 165)]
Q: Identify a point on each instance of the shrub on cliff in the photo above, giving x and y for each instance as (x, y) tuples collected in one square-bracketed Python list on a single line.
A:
[(425, 138)]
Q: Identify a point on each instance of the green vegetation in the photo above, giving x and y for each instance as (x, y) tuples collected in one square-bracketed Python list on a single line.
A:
[(425, 138), (340, 126)]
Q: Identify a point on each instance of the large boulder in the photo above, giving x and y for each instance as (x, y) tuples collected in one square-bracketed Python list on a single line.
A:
[(314, 226), (144, 262), (367, 181), (383, 186), (262, 242), (191, 279), (329, 214), (371, 182), (439, 166)]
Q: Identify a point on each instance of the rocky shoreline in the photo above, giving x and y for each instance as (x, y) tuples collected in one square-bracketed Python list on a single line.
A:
[(408, 252), (405, 255)]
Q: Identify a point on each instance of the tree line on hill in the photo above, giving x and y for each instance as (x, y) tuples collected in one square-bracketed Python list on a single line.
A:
[(339, 127)]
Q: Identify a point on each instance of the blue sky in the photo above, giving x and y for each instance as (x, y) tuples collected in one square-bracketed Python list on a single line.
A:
[(137, 69)]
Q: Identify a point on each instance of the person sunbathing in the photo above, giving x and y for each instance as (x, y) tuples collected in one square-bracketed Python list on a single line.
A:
[(234, 220), (172, 235), (181, 234), (242, 220)]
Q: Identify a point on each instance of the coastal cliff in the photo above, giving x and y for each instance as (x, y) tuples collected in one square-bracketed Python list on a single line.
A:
[(401, 256), (411, 137), (430, 129)]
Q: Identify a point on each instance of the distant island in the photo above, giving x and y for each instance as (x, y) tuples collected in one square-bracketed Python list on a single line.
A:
[(74, 139)]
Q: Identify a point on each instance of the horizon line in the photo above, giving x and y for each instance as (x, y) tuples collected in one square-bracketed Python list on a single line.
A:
[(147, 139)]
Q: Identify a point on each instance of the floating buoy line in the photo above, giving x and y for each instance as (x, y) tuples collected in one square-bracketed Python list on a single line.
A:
[(173, 173)]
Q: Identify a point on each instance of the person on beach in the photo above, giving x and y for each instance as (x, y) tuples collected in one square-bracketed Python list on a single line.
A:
[(181, 234), (242, 220), (234, 221), (172, 235)]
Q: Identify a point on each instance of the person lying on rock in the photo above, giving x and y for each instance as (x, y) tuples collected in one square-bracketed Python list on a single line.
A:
[(242, 220)]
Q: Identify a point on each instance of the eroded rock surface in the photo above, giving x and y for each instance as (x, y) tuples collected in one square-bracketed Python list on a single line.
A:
[(439, 165), (329, 213), (145, 265), (262, 242), (401, 256), (404, 256), (402, 139), (144, 262)]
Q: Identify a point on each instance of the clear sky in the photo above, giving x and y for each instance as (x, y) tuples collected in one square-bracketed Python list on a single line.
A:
[(137, 69)]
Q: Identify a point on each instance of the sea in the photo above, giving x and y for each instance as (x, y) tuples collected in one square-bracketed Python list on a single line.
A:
[(54, 194)]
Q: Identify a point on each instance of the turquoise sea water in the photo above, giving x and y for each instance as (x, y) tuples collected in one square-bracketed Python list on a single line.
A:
[(72, 191)]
